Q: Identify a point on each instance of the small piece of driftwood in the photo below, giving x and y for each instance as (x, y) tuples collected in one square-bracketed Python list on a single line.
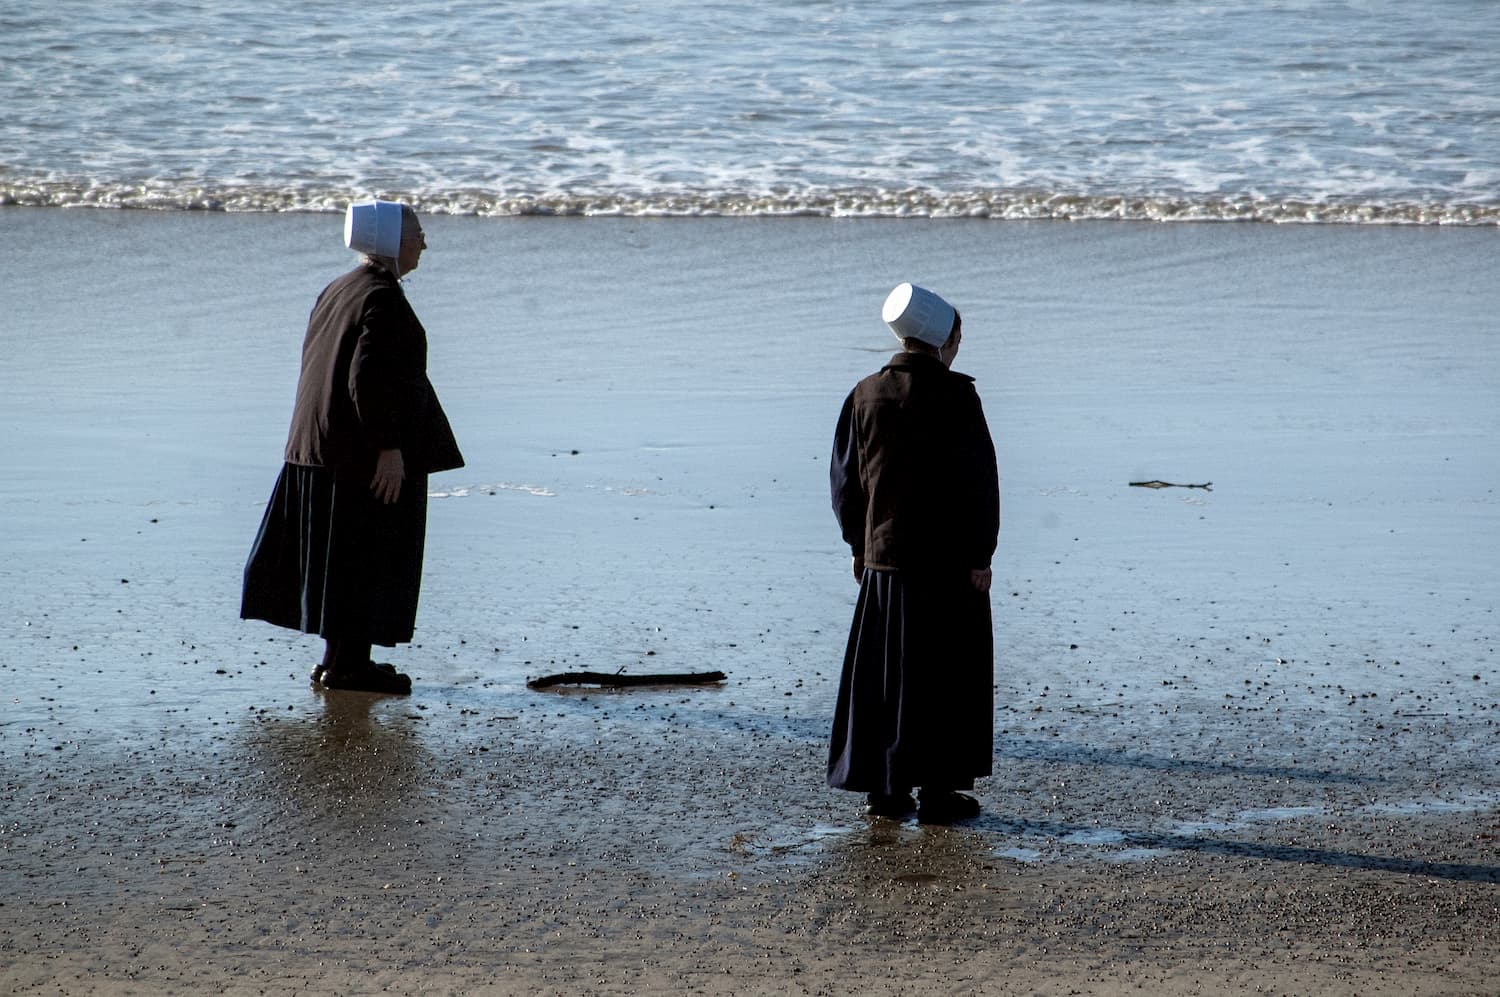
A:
[(620, 679), (1207, 486)]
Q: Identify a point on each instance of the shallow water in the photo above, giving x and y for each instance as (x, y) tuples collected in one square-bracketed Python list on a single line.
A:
[(645, 407), (1375, 110)]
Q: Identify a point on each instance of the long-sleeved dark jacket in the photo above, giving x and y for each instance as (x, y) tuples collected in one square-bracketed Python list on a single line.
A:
[(364, 385), (913, 473)]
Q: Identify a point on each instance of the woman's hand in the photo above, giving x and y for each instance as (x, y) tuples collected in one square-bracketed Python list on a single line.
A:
[(859, 568), (390, 471), (981, 579)]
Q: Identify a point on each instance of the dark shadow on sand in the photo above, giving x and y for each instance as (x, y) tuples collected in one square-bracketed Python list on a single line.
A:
[(1027, 750), (1232, 848), (814, 729)]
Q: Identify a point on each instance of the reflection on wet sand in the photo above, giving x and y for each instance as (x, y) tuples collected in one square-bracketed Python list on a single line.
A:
[(354, 766), (889, 854)]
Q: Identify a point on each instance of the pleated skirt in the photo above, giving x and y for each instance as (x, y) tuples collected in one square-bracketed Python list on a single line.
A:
[(331, 559), (916, 695)]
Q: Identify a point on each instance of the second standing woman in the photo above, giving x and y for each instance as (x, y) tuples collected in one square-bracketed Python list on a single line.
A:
[(917, 496)]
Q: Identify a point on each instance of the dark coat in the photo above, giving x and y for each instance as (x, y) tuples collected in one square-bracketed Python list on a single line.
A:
[(917, 496), (364, 385), (913, 473)]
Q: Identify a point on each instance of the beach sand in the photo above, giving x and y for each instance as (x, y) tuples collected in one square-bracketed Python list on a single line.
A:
[(1245, 737)]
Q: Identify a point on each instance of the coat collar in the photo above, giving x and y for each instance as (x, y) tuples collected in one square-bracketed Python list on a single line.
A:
[(923, 363)]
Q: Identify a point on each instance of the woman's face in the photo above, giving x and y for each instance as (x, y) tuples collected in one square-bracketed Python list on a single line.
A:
[(411, 249)]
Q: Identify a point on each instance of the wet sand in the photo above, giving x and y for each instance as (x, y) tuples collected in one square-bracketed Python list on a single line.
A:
[(1245, 738), (380, 845)]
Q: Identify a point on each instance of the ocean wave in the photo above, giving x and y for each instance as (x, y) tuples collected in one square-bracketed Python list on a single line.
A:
[(854, 203)]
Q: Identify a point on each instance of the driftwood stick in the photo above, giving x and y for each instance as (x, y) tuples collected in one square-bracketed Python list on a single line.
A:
[(620, 680), (1207, 486)]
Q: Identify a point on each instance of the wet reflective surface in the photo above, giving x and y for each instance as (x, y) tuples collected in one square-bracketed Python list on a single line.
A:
[(1273, 704)]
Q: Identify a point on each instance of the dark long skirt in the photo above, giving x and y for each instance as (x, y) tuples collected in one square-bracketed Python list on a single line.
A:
[(916, 698), (331, 559)]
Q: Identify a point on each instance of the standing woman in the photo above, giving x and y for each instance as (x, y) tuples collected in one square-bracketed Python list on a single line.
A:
[(917, 496), (339, 552)]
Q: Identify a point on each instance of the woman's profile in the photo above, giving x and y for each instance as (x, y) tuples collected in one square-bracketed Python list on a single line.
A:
[(339, 551)]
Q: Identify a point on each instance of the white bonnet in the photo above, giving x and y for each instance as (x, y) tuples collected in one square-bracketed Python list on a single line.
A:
[(373, 228), (914, 312)]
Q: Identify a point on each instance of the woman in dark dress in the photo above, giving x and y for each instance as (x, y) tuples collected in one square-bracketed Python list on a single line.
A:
[(339, 552), (917, 496)]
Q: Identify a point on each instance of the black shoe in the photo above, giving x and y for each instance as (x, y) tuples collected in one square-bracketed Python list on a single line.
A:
[(371, 678), (318, 672), (945, 807), (895, 806)]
